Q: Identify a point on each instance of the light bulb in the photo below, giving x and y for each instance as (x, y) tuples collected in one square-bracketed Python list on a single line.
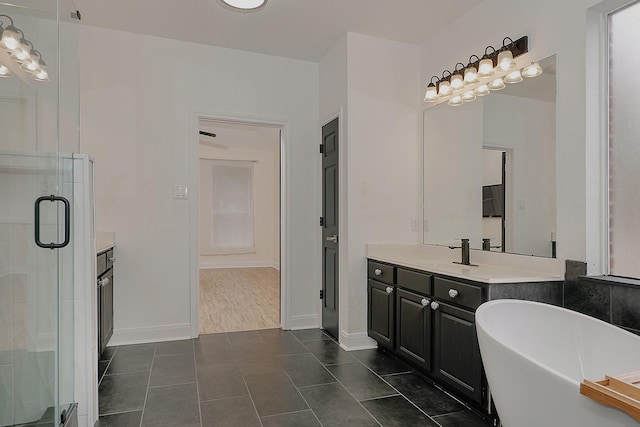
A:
[(485, 68), (482, 90), (532, 70), (444, 89), (513, 77), (41, 75), (4, 71), (31, 66), (471, 75), (496, 84), (457, 81), (455, 101), (431, 95), (10, 38), (468, 96), (505, 60)]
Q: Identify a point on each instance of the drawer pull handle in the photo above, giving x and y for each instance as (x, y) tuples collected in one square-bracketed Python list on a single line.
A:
[(425, 302), (435, 305), (389, 289), (103, 282), (453, 293), (377, 272), (112, 259)]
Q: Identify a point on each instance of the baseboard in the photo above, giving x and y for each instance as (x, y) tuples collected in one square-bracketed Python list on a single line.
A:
[(237, 264), (358, 341), (180, 331), (309, 321)]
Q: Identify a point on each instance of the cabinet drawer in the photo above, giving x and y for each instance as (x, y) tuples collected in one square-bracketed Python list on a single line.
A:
[(110, 258), (382, 272), (415, 281), (469, 296), (102, 264)]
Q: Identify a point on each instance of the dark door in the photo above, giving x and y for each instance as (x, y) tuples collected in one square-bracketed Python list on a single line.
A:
[(380, 313), (457, 359), (413, 337), (330, 227)]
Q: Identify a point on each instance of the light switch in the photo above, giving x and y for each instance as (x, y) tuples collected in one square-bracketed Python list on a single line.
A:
[(521, 205), (425, 224), (414, 224), (180, 192)]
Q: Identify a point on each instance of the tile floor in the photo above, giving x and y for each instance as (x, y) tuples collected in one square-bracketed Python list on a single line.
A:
[(268, 378)]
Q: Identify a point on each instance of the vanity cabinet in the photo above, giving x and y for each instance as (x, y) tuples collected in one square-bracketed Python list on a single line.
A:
[(434, 324), (381, 303), (105, 298)]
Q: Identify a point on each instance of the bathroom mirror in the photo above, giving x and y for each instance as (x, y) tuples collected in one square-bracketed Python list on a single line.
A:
[(489, 169)]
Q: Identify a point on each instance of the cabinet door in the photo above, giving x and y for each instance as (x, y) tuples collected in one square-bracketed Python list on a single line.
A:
[(381, 313), (99, 320), (413, 327), (106, 309), (457, 359)]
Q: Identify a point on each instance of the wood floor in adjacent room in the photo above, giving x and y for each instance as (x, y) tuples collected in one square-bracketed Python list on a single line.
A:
[(239, 299)]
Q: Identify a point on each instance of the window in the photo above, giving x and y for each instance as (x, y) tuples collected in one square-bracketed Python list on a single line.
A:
[(624, 142), (230, 215)]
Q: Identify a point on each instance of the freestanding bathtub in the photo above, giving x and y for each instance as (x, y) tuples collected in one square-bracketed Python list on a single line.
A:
[(535, 356)]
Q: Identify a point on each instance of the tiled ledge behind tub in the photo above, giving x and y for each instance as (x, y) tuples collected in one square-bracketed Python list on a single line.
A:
[(614, 300)]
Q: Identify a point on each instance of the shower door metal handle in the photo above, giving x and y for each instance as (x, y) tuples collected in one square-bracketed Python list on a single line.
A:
[(67, 221)]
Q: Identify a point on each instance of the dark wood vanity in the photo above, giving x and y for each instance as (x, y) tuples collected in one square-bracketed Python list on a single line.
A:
[(428, 320), (104, 290)]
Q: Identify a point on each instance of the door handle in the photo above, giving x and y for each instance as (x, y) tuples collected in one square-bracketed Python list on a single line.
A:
[(67, 222), (333, 238)]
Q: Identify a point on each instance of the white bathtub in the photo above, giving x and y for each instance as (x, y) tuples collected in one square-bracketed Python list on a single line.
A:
[(535, 356)]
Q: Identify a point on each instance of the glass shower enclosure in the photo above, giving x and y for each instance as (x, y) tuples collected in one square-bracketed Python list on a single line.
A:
[(39, 120)]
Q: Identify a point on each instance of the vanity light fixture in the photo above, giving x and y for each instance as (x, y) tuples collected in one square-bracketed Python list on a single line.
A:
[(21, 51), (4, 71), (245, 5), (482, 75)]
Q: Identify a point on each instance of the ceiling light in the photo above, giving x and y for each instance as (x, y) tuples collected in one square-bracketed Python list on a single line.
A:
[(245, 4), (4, 71), (532, 70)]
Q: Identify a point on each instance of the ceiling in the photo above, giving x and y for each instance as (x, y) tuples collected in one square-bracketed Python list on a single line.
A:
[(299, 29)]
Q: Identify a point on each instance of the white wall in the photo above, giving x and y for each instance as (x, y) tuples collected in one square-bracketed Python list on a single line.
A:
[(373, 82), (553, 28), (266, 197), (138, 93), (532, 183)]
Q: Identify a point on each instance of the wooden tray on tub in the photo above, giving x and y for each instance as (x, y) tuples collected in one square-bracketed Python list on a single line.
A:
[(621, 392)]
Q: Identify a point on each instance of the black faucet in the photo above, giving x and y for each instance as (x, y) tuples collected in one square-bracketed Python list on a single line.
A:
[(465, 252)]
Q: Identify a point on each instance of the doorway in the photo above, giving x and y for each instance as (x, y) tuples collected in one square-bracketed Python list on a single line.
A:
[(239, 281), (495, 190)]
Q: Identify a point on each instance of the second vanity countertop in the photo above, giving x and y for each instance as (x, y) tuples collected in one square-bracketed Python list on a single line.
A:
[(105, 240), (491, 267)]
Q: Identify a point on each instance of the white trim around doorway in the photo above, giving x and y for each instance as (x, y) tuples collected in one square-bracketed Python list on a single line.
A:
[(285, 209)]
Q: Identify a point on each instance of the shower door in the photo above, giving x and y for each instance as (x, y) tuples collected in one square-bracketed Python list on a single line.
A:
[(36, 189)]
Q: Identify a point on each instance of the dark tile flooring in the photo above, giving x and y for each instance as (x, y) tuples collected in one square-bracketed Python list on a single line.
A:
[(268, 378)]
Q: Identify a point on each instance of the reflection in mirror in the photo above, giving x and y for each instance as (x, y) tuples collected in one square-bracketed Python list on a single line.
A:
[(489, 169)]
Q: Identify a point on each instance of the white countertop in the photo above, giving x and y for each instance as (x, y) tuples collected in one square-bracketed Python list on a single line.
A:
[(105, 240), (490, 267)]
